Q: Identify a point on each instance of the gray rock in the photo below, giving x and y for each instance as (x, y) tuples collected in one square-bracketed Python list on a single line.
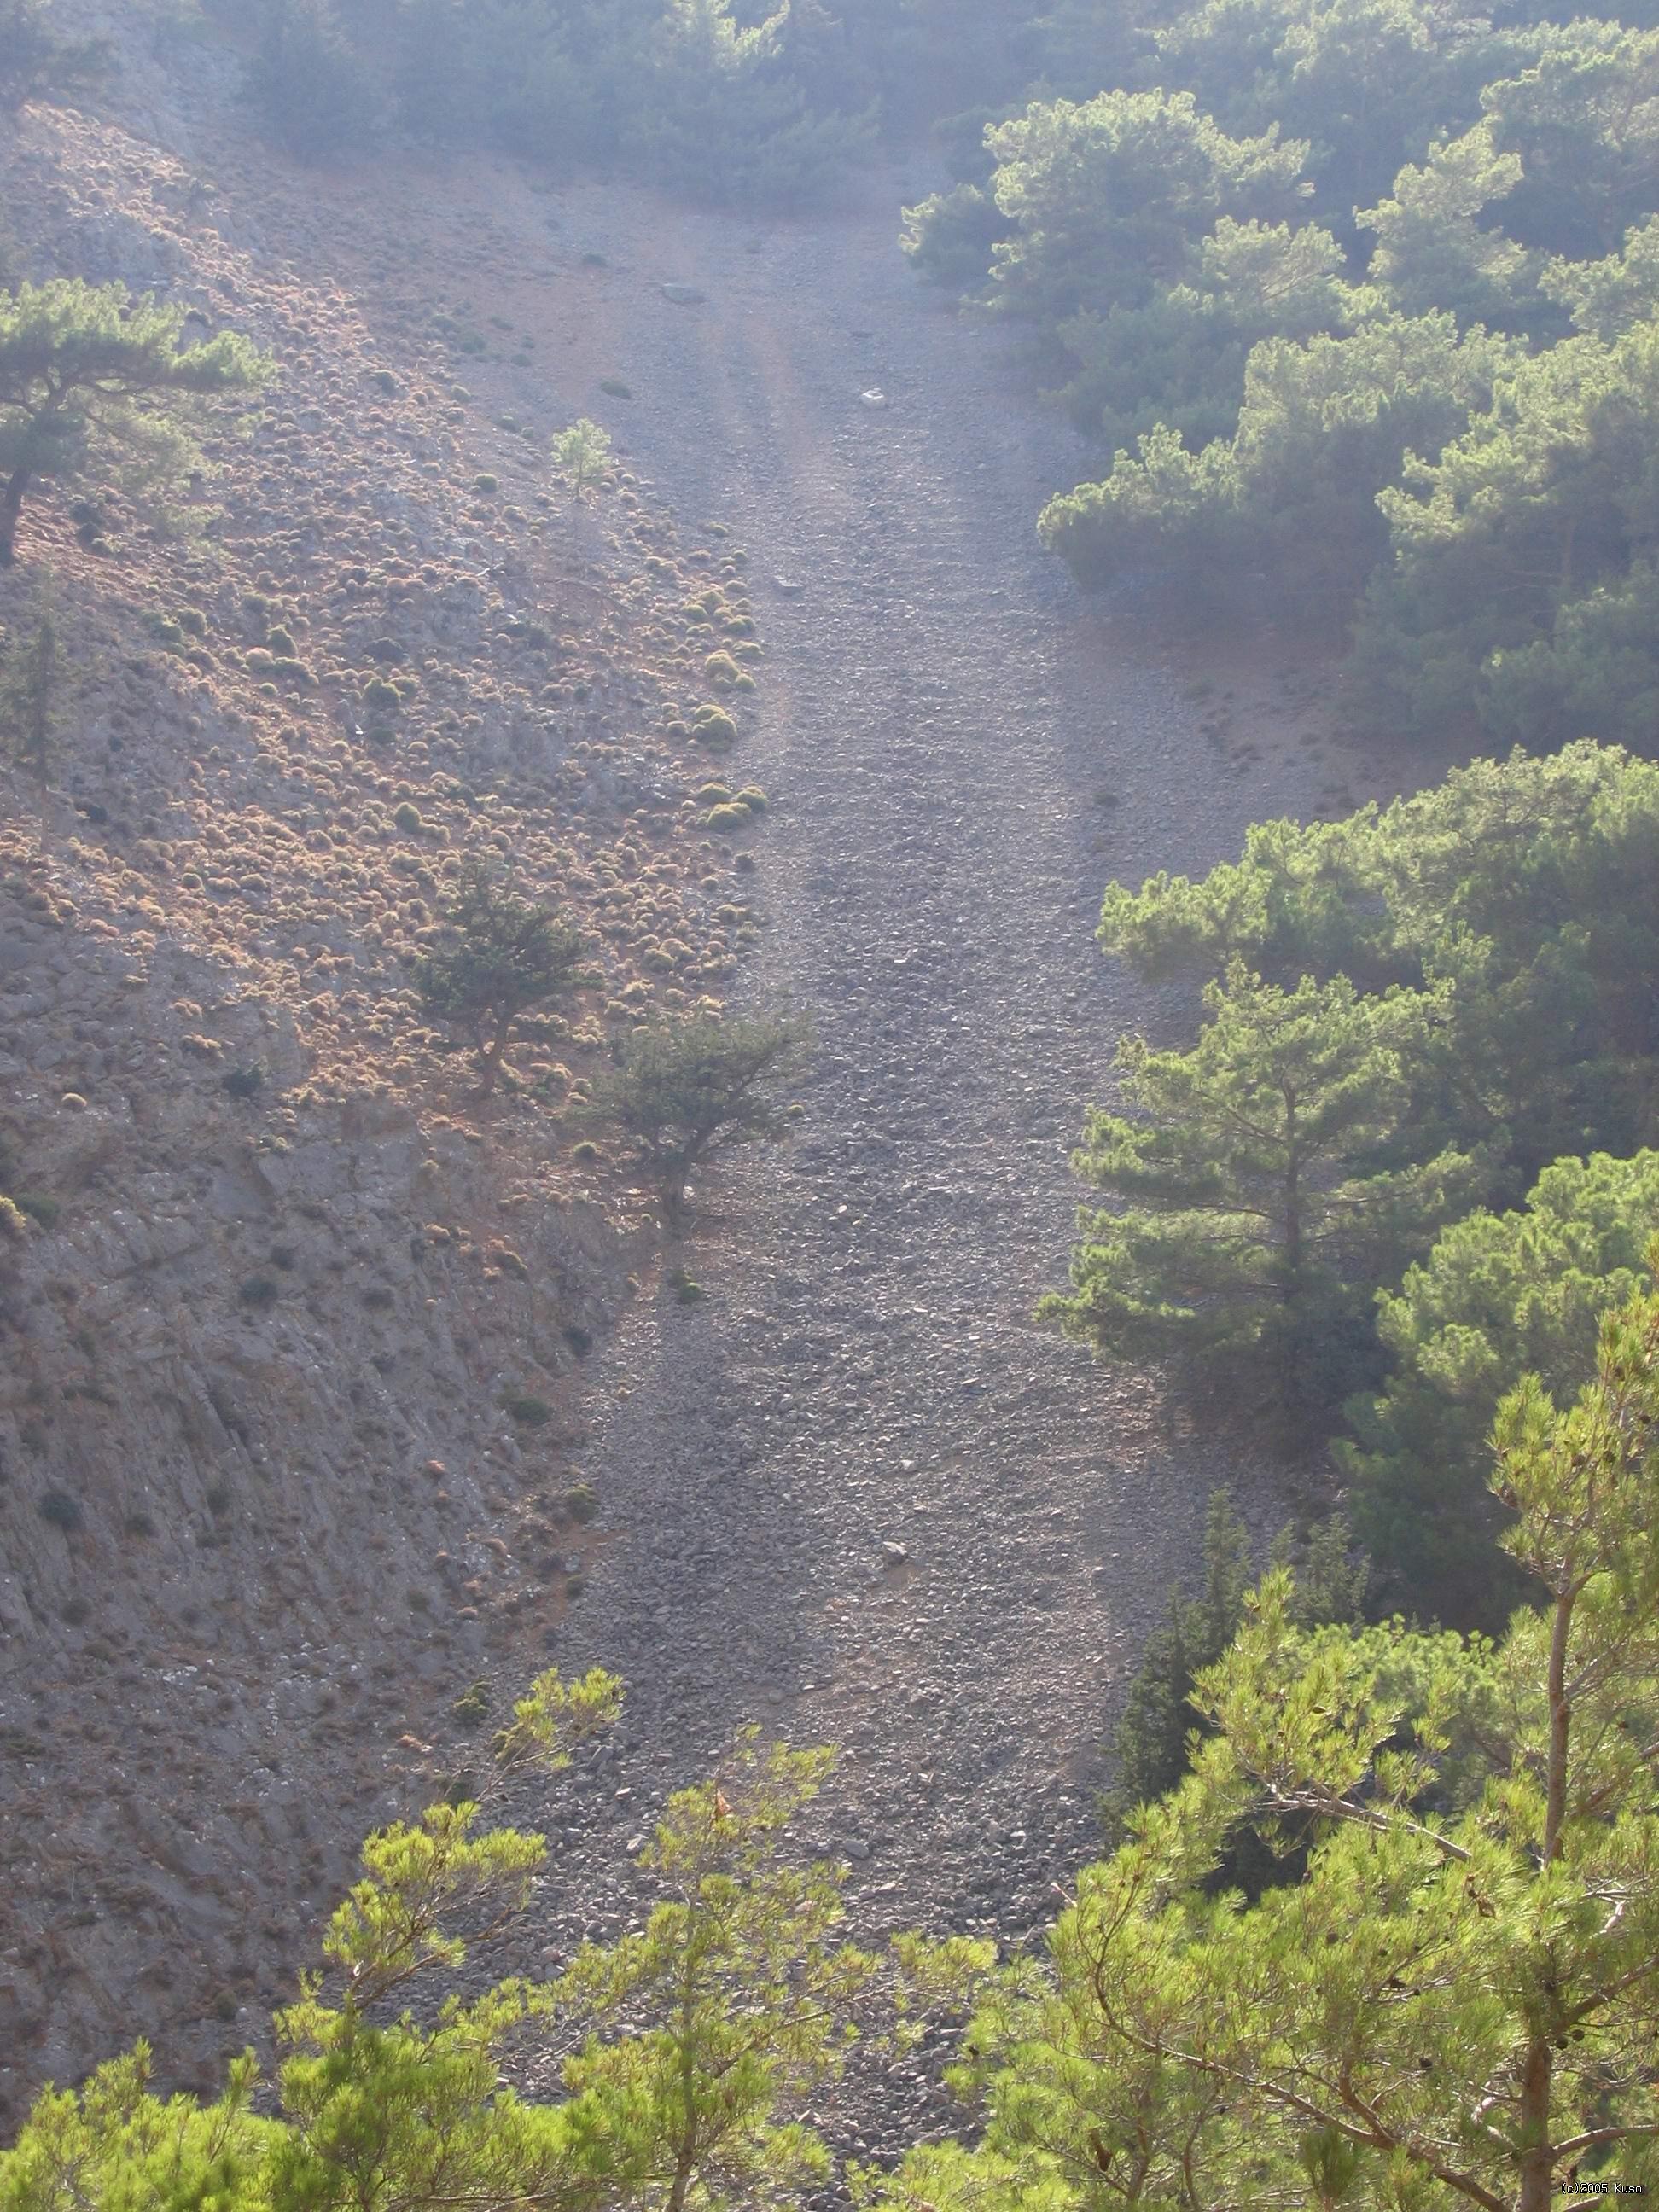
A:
[(684, 296)]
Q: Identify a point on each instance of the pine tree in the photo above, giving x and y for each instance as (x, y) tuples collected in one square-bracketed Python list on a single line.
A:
[(1149, 1744), (685, 1089), (685, 2054), (1290, 498), (89, 375), (505, 956), (1579, 113), (1527, 884), (1261, 1193), (581, 454), (375, 2106), (1433, 250), (1499, 1296), (736, 2000), (1331, 1574)]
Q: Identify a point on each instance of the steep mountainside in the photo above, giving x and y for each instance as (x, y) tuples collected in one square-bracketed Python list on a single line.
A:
[(310, 1355), (262, 1504)]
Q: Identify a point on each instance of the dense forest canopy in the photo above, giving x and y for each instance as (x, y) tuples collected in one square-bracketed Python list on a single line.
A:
[(1375, 340)]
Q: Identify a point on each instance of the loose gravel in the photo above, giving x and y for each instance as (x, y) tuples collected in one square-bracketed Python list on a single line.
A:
[(854, 1493)]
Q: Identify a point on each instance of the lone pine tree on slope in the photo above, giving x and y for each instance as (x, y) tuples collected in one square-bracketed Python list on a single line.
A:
[(90, 376)]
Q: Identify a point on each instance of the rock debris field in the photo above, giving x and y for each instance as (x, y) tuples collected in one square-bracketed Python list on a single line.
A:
[(850, 1492), (854, 1493)]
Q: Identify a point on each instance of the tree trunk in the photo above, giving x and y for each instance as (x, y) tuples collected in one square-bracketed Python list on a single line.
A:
[(673, 1192), (1568, 534), (489, 1061), (1293, 1232), (1292, 1195), (39, 748), (685, 2167), (1537, 2168), (676, 1173), (685, 2149), (1538, 2070), (11, 506), (1555, 1797)]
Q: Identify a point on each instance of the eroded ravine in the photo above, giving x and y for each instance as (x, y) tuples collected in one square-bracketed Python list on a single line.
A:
[(856, 1494), (959, 754)]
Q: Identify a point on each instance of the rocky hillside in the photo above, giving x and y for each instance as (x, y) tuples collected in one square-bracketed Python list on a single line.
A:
[(290, 1348), (327, 1406)]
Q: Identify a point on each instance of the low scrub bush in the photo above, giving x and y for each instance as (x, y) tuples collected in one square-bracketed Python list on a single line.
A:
[(713, 725)]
